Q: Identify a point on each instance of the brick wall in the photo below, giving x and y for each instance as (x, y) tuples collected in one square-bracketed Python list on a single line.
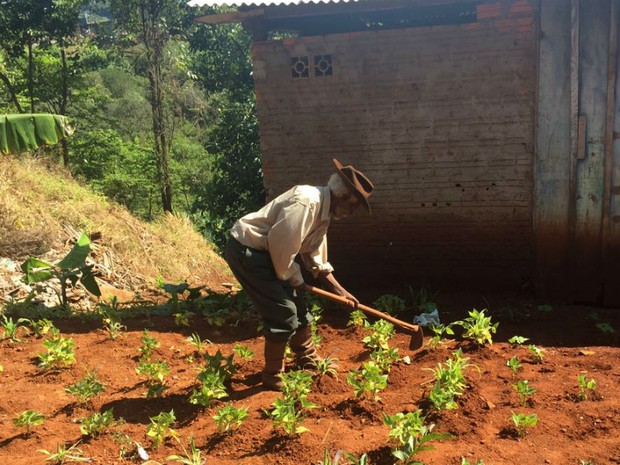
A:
[(440, 118)]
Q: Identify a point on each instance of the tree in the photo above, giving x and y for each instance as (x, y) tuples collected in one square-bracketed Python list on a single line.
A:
[(154, 22)]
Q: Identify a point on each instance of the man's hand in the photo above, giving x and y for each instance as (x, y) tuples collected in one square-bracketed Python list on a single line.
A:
[(353, 303), (330, 281), (303, 287)]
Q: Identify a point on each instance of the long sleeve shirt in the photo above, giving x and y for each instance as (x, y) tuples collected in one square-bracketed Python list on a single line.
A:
[(294, 223)]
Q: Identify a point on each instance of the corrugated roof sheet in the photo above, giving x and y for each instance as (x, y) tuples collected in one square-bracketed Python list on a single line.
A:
[(239, 3)]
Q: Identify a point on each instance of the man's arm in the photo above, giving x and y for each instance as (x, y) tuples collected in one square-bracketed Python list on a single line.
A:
[(329, 281)]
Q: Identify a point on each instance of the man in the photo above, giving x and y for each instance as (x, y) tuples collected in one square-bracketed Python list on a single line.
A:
[(261, 252)]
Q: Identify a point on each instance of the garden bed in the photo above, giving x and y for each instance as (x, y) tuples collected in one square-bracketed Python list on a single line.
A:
[(569, 431)]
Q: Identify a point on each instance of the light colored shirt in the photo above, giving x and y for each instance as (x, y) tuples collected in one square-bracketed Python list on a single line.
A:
[(294, 223)]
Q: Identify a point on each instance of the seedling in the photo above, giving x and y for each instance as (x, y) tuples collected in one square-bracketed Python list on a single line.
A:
[(382, 332), (223, 365), (243, 352), (64, 455), (517, 340), (514, 365), (199, 344), (478, 327), (216, 317), (316, 337), (42, 327), (449, 381), (385, 358), (350, 458), (211, 388), (87, 388), (544, 308), (410, 434), (524, 390), (69, 271), (585, 386), (537, 353), (28, 420), (357, 318), (59, 353), (194, 457), (111, 318), (229, 418), (183, 318), (159, 429), (439, 331), (326, 366), (368, 381), (522, 422), (421, 300), (464, 461), (390, 304), (97, 423), (288, 412), (155, 373), (605, 328), (10, 328), (149, 344)]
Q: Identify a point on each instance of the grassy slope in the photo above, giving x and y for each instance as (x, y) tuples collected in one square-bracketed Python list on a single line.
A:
[(40, 205)]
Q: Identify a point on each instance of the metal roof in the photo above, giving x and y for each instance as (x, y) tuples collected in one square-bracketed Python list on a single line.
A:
[(240, 3)]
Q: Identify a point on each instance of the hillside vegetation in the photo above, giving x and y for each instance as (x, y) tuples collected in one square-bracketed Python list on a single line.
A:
[(42, 209)]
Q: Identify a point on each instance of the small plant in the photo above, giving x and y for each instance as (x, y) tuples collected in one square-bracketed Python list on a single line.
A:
[(410, 434), (288, 411), (544, 308), (390, 304), (385, 358), (357, 318), (523, 421), (149, 344), (326, 366), (59, 353), (524, 390), (421, 300), (183, 318), (223, 365), (350, 458), (28, 420), (65, 455), (216, 317), (69, 271), (605, 328), (478, 327), (537, 353), (97, 423), (155, 373), (439, 331), (111, 318), (159, 429), (211, 388), (514, 365), (382, 332), (10, 328), (243, 352), (87, 388), (43, 327), (464, 461), (450, 381), (229, 418), (194, 457), (517, 340), (368, 381), (585, 386), (199, 344)]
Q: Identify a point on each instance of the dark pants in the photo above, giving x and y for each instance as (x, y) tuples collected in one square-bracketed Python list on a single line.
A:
[(283, 311)]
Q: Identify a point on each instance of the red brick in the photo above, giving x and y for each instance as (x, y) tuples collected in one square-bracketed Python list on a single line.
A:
[(489, 10)]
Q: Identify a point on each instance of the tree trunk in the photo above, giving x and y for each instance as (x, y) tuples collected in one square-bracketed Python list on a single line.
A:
[(64, 98), (7, 82), (30, 75)]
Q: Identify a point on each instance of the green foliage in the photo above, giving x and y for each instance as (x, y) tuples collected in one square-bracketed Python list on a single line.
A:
[(517, 340), (522, 422), (59, 353), (10, 328), (225, 366), (28, 419), (243, 352), (65, 455), (97, 423), (350, 458), (391, 304), (193, 457), (87, 388), (478, 327), (289, 411), (465, 461), (421, 300), (160, 428), (384, 358), (439, 330), (149, 344), (155, 373), (199, 344), (111, 318), (382, 332), (524, 390), (357, 318), (69, 271), (585, 386), (42, 327), (211, 387), (229, 418), (538, 354), (450, 382), (326, 366), (514, 365), (404, 425), (368, 381)]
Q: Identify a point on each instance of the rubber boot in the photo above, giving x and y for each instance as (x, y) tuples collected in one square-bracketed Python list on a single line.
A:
[(306, 356), (274, 365)]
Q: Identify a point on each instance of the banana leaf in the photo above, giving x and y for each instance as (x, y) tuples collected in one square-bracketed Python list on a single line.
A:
[(76, 258), (23, 132)]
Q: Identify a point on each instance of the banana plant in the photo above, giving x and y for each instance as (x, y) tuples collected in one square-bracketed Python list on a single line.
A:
[(69, 271)]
